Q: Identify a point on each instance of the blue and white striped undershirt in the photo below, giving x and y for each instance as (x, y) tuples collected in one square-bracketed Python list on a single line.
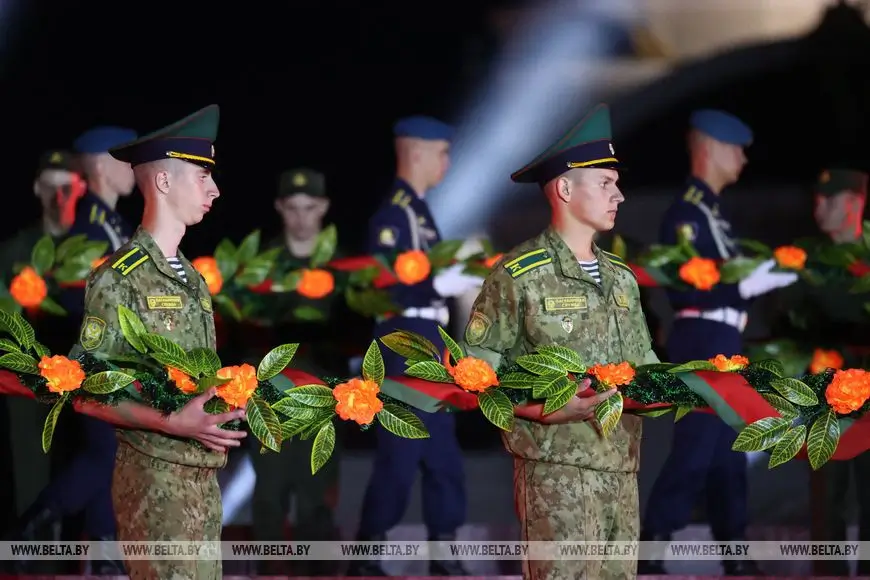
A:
[(591, 268), (179, 269)]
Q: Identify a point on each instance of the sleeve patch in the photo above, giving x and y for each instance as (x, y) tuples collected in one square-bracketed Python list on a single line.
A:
[(93, 332), (477, 329)]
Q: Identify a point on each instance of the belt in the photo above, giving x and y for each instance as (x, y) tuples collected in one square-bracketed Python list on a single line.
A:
[(441, 314), (728, 315)]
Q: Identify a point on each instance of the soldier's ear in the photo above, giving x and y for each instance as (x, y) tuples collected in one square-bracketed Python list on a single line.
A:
[(563, 189), (323, 207), (162, 181)]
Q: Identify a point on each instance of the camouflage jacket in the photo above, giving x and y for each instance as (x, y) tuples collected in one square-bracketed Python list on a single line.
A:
[(139, 277), (539, 295)]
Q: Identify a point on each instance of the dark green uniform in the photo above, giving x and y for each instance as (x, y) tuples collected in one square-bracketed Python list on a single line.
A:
[(311, 323), (830, 317)]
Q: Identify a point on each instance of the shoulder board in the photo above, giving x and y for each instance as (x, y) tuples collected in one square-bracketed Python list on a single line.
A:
[(400, 198), (96, 215), (618, 262), (693, 195), (130, 260), (526, 262)]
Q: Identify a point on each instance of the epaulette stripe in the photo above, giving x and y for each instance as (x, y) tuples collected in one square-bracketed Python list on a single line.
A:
[(525, 256), (521, 271), (93, 213), (130, 261), (613, 257), (624, 266)]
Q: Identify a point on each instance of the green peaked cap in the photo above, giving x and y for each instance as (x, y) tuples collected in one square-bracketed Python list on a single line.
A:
[(587, 144), (838, 180), (191, 139)]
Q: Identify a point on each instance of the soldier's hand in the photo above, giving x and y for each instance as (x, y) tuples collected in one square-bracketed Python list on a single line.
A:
[(580, 408), (194, 422)]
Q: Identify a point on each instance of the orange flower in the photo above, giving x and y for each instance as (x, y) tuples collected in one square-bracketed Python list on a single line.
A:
[(790, 257), (358, 400), (613, 375), (242, 384), (61, 374), (825, 359), (315, 283), (701, 273), (184, 383), (472, 374), (208, 267), (98, 262), (412, 267), (492, 260), (28, 288), (848, 390), (727, 364)]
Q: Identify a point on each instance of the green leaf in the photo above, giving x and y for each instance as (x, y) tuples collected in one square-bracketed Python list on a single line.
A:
[(619, 247), (216, 406), (263, 423), (823, 439), (860, 286), (770, 365), (410, 345), (324, 247), (225, 256), (161, 344), (608, 412), (783, 407), (107, 382), (20, 363), (132, 328), (248, 248), (443, 253), (546, 386), (324, 444), (429, 370), (541, 364), (51, 422), (497, 407), (207, 360), (181, 364), (756, 247), (49, 306), (373, 364), (795, 391), (519, 380), (69, 247), (652, 413), (364, 277), (370, 301), (42, 255), (9, 304), (227, 306), (289, 283), (761, 435), (560, 399), (21, 331), (308, 314), (736, 269), (654, 367), (455, 350), (682, 412), (40, 349), (694, 365), (275, 361), (7, 345), (292, 409), (255, 271), (569, 359), (312, 395), (402, 422), (788, 446), (292, 428), (207, 382)]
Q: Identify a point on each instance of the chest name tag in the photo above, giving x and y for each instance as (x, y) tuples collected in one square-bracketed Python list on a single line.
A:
[(164, 302), (205, 302), (561, 303), (622, 300)]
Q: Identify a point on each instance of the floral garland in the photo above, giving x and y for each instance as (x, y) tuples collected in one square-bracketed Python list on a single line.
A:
[(810, 409), (166, 377)]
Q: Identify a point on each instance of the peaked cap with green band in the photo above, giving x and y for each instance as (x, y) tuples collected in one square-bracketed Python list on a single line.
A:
[(191, 139), (588, 144), (835, 181)]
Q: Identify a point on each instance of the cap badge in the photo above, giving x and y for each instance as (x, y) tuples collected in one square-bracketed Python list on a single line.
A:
[(299, 180)]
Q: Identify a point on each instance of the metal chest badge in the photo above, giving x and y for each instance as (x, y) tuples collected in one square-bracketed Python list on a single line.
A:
[(567, 324), (167, 321)]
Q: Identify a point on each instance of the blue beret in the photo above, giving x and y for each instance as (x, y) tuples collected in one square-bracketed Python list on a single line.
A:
[(423, 128), (101, 139), (722, 126)]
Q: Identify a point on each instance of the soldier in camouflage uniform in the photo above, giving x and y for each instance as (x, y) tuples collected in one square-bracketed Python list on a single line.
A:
[(571, 483), (164, 487), (302, 204)]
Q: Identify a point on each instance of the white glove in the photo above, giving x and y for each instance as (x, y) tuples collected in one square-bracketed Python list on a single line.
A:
[(762, 280), (451, 282)]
